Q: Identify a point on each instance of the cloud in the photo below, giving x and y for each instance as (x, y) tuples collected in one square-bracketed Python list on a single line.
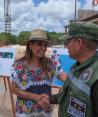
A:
[(56, 13), (52, 15), (23, 16), (1, 16), (89, 5), (56, 8), (18, 1)]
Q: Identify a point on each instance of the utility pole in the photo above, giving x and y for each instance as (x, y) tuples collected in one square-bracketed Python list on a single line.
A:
[(75, 16), (7, 18)]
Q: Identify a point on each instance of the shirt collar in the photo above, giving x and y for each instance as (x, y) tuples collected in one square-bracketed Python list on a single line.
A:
[(77, 67)]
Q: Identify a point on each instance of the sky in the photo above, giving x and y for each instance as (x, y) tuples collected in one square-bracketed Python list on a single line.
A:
[(51, 15)]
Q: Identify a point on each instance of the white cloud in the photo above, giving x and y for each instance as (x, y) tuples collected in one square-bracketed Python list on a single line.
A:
[(56, 8), (88, 5), (1, 16), (52, 15), (57, 12), (18, 1), (23, 16)]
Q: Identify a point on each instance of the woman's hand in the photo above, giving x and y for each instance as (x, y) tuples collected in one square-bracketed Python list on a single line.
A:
[(43, 101)]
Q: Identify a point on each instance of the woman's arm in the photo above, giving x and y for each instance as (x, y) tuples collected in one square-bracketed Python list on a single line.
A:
[(23, 94)]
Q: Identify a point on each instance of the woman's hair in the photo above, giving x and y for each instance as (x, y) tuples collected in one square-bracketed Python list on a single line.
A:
[(28, 52), (29, 56), (44, 65)]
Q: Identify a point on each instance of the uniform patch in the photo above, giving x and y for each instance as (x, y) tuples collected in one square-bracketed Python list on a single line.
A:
[(76, 107), (85, 76)]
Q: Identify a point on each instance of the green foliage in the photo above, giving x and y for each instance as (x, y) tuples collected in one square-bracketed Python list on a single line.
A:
[(23, 37), (3, 40), (54, 37)]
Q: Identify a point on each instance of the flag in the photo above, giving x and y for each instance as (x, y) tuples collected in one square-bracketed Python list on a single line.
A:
[(95, 2)]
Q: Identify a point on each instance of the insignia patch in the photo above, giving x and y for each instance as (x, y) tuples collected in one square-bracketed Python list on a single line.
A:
[(76, 107), (85, 76)]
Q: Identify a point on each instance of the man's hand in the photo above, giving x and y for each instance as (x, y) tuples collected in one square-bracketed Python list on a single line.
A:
[(43, 101)]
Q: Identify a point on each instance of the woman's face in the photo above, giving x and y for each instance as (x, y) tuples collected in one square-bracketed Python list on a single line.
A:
[(38, 48)]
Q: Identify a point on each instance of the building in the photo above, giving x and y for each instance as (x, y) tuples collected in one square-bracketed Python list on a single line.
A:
[(88, 15), (85, 15)]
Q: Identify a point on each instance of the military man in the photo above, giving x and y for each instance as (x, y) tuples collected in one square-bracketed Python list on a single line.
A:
[(79, 95)]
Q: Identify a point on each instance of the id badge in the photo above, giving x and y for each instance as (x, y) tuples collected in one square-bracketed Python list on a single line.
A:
[(76, 107)]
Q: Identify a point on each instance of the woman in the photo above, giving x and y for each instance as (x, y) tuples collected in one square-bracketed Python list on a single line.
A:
[(32, 76)]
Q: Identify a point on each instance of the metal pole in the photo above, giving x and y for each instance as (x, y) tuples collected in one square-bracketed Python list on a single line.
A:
[(75, 10), (7, 17)]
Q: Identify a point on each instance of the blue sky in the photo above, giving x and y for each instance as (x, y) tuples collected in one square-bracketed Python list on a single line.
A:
[(51, 15), (37, 2), (82, 2)]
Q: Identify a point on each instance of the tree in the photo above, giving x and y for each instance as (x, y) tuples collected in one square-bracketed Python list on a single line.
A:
[(23, 37)]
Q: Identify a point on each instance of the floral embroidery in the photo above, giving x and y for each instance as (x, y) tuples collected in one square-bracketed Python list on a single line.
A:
[(25, 77), (21, 103), (19, 67), (24, 83)]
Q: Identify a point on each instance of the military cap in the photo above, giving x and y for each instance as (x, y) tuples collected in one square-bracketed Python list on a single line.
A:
[(86, 30), (38, 34)]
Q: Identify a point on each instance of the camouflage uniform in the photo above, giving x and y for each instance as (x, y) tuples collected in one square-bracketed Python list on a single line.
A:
[(77, 98)]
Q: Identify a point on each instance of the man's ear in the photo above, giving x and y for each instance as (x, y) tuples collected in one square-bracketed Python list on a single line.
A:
[(80, 44)]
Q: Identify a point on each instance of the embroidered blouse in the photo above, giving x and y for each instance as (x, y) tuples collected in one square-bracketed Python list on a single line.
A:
[(33, 79)]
